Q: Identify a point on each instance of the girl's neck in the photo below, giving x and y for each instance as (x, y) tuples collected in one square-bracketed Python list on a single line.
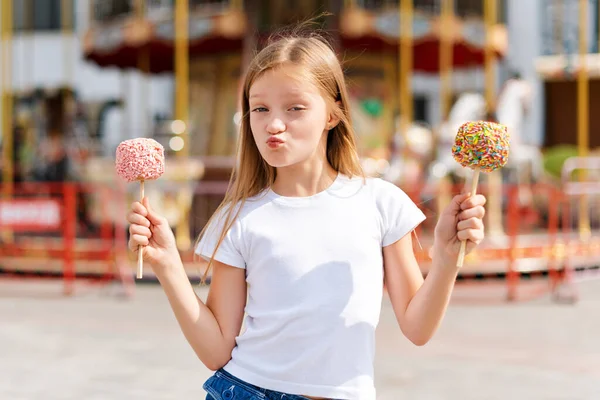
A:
[(304, 181)]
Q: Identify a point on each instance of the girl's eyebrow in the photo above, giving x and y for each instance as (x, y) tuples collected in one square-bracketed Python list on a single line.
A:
[(295, 95)]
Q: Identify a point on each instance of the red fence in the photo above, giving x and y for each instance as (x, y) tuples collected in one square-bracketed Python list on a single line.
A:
[(46, 229), (62, 229)]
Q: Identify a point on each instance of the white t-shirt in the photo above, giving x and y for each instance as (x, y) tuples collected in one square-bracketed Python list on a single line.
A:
[(314, 269)]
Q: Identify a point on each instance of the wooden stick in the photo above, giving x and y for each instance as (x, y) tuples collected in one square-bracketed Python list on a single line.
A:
[(140, 263), (463, 244)]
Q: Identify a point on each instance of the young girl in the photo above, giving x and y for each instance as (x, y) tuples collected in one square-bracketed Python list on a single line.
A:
[(303, 244)]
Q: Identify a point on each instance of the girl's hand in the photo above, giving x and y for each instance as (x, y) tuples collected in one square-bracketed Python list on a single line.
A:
[(152, 231), (461, 220)]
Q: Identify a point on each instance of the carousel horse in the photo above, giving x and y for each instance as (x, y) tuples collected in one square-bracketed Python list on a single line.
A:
[(525, 164), (469, 106), (408, 154)]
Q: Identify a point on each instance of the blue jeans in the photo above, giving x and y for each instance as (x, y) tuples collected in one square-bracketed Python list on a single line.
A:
[(224, 386)]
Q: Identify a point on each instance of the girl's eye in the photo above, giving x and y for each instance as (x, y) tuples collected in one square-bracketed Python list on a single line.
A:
[(260, 109), (297, 108)]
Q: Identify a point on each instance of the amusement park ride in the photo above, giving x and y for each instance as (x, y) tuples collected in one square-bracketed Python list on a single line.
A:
[(206, 44)]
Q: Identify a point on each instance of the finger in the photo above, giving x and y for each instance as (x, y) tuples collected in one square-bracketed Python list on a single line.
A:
[(139, 208), (140, 230), (137, 219), (139, 240), (471, 223), (455, 205), (471, 246), (475, 212), (473, 235), (133, 246), (153, 216), (473, 201)]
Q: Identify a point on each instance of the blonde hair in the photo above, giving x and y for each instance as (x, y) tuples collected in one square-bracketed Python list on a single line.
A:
[(252, 175)]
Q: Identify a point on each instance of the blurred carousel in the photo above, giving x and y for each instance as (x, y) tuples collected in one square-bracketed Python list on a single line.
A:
[(201, 43)]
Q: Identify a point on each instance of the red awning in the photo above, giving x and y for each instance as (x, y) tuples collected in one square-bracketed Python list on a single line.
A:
[(126, 44), (365, 31)]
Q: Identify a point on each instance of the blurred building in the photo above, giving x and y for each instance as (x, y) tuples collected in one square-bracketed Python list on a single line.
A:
[(559, 64), (48, 58), (223, 34), (122, 51)]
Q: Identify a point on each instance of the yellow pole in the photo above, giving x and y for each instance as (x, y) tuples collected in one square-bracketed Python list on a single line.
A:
[(182, 233), (7, 131), (144, 68), (406, 64), (490, 16), (446, 57), (583, 84), (140, 8), (66, 12), (28, 68), (182, 69), (494, 178), (583, 113), (446, 61), (7, 107), (92, 14), (237, 5)]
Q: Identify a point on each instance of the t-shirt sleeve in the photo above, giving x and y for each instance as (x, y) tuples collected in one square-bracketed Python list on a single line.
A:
[(399, 214), (229, 251)]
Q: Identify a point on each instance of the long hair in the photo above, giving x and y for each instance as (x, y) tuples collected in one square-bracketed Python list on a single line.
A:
[(321, 67)]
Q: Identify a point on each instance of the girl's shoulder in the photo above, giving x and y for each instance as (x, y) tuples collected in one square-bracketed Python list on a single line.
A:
[(246, 207), (386, 193), (383, 193), (381, 188)]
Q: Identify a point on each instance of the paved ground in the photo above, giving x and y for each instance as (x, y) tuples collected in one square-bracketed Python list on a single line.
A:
[(97, 345)]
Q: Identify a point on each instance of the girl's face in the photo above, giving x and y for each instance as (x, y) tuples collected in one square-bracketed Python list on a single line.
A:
[(289, 119)]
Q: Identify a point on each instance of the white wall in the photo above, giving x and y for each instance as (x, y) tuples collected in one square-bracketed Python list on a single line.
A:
[(525, 44)]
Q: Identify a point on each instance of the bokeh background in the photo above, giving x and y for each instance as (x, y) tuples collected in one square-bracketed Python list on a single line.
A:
[(80, 76)]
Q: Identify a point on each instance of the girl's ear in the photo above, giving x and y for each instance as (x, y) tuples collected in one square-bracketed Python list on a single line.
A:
[(333, 118)]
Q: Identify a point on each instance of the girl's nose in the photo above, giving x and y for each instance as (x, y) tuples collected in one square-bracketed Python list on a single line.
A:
[(275, 126)]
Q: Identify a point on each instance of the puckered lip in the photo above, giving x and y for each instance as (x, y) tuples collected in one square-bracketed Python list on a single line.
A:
[(274, 139)]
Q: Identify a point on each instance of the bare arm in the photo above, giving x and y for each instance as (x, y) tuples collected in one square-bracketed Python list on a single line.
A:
[(209, 328), (420, 305)]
